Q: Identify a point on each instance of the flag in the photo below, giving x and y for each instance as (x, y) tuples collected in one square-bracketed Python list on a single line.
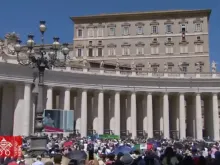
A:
[(10, 146), (142, 146)]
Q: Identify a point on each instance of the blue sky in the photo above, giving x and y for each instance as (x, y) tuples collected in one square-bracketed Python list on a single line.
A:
[(23, 16)]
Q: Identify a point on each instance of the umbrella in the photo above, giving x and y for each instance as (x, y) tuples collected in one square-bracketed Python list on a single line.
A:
[(77, 155), (123, 149), (68, 143)]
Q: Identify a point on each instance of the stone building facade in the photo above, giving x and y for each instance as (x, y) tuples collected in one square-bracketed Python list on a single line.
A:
[(177, 39)]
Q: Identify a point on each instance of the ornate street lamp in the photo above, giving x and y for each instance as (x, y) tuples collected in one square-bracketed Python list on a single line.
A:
[(40, 60)]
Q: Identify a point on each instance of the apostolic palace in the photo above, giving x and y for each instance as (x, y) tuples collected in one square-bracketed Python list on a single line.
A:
[(129, 74)]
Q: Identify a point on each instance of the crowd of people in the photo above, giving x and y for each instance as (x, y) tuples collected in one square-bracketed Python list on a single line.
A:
[(95, 151)]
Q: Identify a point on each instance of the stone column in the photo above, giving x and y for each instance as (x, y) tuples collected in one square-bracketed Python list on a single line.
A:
[(84, 113), (133, 115), (19, 102), (27, 108), (149, 115), (198, 117), (182, 116), (49, 104), (166, 116), (67, 99), (100, 113), (117, 113), (215, 115)]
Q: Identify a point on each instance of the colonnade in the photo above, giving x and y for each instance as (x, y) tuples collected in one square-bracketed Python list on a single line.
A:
[(116, 112)]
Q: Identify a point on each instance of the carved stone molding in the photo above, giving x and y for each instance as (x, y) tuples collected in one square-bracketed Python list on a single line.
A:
[(90, 26), (198, 41), (154, 42), (125, 44), (183, 21), (139, 24), (79, 46), (183, 42), (140, 44), (126, 24), (198, 20), (168, 22), (79, 27), (154, 22), (111, 45), (111, 25), (100, 25)]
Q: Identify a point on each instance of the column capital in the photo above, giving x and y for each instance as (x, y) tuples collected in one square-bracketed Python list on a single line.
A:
[(50, 87), (28, 83), (181, 93), (214, 93), (68, 88)]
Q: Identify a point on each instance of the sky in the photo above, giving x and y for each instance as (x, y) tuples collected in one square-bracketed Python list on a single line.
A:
[(23, 16)]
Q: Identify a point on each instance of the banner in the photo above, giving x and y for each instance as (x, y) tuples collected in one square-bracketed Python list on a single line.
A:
[(10, 146), (105, 136), (58, 120)]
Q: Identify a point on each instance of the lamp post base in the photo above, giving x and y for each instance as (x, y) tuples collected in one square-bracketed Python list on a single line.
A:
[(38, 145)]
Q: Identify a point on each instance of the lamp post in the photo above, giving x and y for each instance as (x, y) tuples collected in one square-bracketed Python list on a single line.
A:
[(40, 61)]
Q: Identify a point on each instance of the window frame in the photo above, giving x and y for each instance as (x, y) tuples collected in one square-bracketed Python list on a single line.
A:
[(154, 29), (126, 49), (140, 32), (100, 32), (78, 36), (92, 54), (167, 29), (98, 51), (90, 32), (124, 31), (111, 33), (196, 27), (78, 52)]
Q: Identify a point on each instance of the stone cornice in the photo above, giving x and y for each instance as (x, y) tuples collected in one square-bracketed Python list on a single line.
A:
[(140, 15), (89, 79)]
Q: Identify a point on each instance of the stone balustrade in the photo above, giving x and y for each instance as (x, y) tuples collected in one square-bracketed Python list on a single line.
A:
[(135, 73)]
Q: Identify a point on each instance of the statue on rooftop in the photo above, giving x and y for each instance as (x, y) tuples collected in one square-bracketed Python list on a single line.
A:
[(117, 64), (133, 66), (214, 66), (180, 65), (102, 64), (165, 67), (148, 66)]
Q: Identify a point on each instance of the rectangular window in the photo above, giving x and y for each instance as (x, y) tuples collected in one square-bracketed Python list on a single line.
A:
[(100, 52), (125, 51), (111, 51), (111, 31), (169, 49), (198, 27), (140, 50), (198, 48), (79, 33), (155, 69), (79, 53), (90, 32), (154, 29), (90, 52), (169, 28), (140, 30), (126, 31), (183, 28), (183, 49), (169, 69), (154, 50), (100, 32), (184, 68)]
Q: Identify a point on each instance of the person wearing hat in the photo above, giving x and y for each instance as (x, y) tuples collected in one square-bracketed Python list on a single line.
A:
[(38, 161), (127, 159)]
